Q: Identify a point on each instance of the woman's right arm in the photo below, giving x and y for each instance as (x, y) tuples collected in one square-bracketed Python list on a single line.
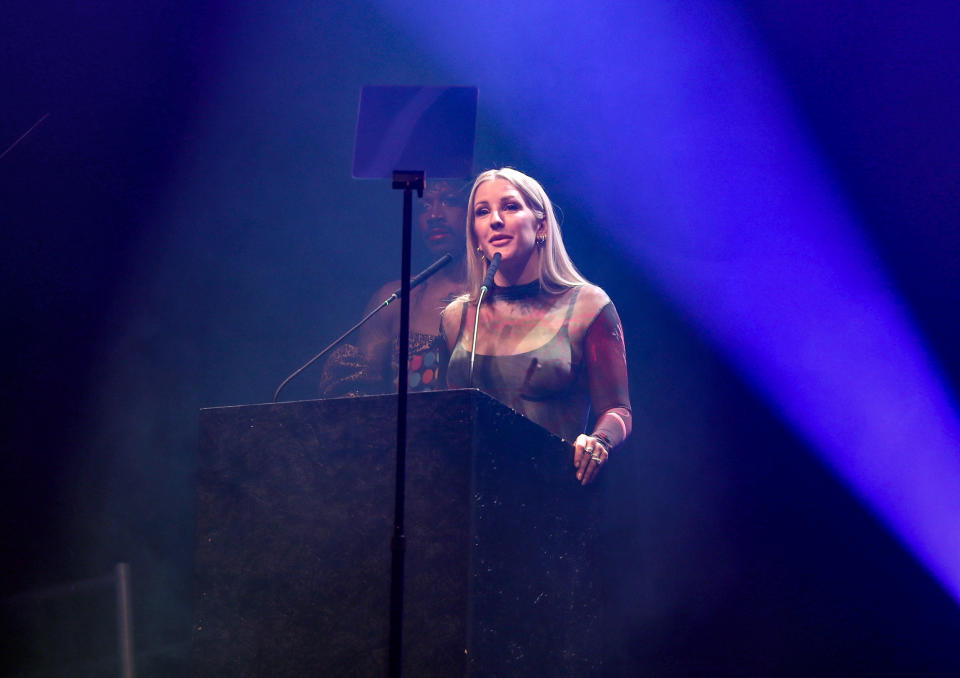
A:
[(449, 333)]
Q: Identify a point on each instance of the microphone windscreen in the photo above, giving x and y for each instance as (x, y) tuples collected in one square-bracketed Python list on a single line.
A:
[(491, 271)]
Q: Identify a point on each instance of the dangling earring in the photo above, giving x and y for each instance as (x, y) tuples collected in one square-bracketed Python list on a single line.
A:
[(541, 240), (480, 254)]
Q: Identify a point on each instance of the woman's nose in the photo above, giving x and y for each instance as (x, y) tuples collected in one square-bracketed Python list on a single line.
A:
[(495, 220)]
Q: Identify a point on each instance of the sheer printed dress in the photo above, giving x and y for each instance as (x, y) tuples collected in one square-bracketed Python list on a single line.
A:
[(550, 357)]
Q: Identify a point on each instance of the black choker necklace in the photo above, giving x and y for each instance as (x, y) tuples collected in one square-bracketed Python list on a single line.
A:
[(531, 289)]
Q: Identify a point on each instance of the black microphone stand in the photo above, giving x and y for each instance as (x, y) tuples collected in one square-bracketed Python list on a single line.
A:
[(409, 182), (421, 277)]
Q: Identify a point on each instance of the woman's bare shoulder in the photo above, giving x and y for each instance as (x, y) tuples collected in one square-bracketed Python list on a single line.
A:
[(450, 317), (592, 299)]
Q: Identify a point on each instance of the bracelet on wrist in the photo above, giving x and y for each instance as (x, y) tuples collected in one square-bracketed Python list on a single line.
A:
[(604, 440)]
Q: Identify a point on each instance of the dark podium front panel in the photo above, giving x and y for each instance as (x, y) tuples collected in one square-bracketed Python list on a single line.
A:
[(295, 516)]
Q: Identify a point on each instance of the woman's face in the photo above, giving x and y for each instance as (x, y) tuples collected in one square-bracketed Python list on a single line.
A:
[(504, 223), (443, 213)]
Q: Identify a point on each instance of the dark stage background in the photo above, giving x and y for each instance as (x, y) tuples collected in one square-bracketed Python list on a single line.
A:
[(181, 231)]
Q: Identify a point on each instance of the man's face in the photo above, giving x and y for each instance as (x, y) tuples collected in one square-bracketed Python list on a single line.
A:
[(442, 219)]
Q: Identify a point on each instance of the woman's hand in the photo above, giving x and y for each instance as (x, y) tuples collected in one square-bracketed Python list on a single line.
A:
[(589, 455)]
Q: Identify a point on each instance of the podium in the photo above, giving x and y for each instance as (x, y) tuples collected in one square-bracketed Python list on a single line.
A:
[(294, 519)]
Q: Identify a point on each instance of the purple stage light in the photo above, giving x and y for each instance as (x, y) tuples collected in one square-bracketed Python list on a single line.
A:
[(719, 193)]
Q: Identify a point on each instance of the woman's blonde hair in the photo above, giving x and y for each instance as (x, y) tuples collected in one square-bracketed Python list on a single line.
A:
[(557, 272)]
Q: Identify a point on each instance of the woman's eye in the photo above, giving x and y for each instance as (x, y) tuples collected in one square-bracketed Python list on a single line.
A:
[(481, 211), (513, 207)]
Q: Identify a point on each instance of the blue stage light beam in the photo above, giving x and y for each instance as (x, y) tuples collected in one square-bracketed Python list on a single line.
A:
[(671, 124)]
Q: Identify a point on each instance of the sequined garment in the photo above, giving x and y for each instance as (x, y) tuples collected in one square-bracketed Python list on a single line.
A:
[(347, 371)]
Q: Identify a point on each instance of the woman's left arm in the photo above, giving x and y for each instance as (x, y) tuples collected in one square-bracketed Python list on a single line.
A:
[(605, 358)]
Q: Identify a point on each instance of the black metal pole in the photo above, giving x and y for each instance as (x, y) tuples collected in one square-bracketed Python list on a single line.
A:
[(408, 181)]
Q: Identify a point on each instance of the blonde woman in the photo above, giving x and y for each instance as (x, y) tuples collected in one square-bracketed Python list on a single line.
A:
[(549, 344)]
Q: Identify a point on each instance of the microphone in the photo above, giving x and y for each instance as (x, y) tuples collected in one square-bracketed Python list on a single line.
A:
[(420, 277), (491, 271), (487, 283)]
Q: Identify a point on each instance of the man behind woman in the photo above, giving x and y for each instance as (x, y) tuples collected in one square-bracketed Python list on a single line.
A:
[(370, 366)]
